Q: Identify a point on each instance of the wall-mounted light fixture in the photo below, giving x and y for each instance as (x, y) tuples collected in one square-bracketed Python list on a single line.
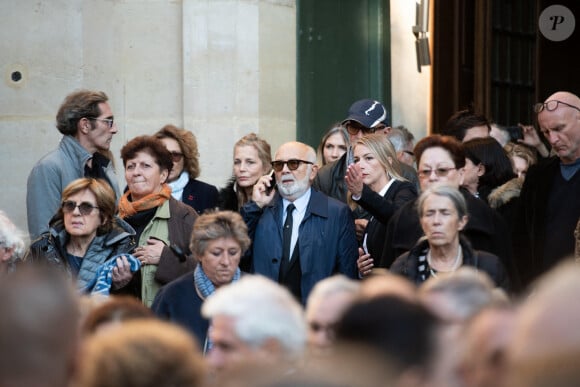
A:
[(420, 31)]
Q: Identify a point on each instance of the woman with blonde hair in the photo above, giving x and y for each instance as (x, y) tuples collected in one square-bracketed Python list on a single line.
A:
[(522, 158), (375, 183), (252, 160), (183, 181)]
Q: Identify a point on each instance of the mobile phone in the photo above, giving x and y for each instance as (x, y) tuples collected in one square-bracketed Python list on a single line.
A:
[(515, 133), (272, 183)]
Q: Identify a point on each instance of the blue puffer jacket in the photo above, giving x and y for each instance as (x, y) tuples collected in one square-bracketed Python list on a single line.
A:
[(50, 248)]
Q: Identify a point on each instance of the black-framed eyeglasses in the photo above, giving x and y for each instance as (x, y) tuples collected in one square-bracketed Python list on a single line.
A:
[(293, 164), (552, 105), (353, 127), (439, 172), (110, 121), (176, 156), (85, 208)]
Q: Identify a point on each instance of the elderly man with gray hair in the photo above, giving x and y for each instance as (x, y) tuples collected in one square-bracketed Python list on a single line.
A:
[(300, 236), (324, 308), (254, 320), (12, 244)]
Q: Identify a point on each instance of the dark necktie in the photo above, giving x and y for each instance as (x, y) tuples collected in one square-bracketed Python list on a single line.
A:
[(287, 233)]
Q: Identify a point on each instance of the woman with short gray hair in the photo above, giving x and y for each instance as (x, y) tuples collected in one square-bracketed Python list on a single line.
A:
[(442, 250)]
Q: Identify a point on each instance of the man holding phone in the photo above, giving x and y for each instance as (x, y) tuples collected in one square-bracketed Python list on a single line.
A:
[(299, 235)]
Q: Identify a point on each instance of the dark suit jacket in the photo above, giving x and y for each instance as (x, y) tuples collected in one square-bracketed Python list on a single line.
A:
[(326, 240), (200, 195), (382, 209)]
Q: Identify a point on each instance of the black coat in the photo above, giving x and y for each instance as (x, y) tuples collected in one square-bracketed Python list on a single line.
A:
[(227, 197), (199, 195), (407, 264), (531, 218), (330, 178), (486, 230), (382, 209)]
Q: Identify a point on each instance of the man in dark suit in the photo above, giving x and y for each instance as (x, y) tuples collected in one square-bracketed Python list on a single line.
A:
[(300, 235)]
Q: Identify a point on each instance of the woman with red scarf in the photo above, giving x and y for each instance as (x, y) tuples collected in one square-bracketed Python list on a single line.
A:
[(163, 224)]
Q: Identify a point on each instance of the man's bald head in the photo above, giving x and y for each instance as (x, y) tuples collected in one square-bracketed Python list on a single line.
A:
[(559, 121), (306, 151)]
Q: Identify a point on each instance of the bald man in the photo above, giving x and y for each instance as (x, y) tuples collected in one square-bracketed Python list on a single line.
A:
[(549, 207), (300, 235)]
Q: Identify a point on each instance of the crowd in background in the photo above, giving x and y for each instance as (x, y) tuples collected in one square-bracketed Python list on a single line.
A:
[(375, 259)]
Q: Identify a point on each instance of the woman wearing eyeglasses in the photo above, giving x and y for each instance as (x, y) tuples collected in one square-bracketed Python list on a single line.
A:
[(441, 160), (183, 177), (85, 233), (163, 225)]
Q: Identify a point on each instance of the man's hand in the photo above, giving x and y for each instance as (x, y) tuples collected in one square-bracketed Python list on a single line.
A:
[(532, 139), (259, 193)]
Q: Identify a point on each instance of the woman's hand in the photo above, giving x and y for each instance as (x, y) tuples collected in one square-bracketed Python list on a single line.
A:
[(150, 254), (121, 273), (260, 193), (353, 179), (365, 263), (531, 138)]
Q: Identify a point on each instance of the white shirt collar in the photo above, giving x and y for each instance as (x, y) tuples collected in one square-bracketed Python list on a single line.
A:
[(301, 203), (386, 187)]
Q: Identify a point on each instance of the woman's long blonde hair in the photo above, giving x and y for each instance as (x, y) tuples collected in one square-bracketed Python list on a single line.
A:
[(385, 153)]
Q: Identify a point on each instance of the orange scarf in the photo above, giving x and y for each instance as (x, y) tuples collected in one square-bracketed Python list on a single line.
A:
[(129, 208)]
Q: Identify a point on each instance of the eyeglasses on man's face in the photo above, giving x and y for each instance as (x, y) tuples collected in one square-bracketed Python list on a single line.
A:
[(85, 208), (293, 164), (353, 127), (439, 172), (110, 121), (552, 105)]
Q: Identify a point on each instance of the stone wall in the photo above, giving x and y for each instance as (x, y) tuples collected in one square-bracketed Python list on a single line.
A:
[(220, 68)]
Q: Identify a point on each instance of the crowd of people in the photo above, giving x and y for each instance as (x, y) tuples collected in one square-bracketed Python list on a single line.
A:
[(368, 261)]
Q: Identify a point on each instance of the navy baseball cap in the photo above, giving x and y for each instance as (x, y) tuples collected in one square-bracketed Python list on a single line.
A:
[(368, 113)]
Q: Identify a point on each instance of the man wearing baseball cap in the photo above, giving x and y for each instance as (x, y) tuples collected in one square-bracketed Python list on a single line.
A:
[(365, 116)]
